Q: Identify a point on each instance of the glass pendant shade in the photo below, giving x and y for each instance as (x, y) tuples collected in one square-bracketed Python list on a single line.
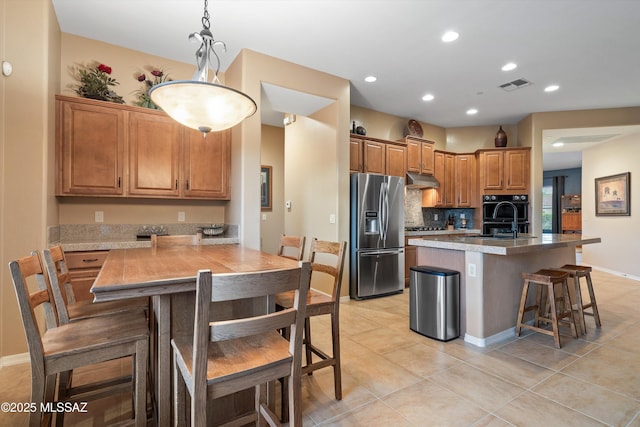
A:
[(198, 104), (207, 107)]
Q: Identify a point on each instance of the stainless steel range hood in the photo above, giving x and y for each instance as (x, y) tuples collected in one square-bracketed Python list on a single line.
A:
[(420, 181)]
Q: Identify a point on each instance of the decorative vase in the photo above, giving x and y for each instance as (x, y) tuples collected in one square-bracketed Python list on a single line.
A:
[(501, 138)]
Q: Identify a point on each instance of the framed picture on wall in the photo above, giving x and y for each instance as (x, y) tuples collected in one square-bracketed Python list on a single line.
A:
[(265, 188), (613, 196)]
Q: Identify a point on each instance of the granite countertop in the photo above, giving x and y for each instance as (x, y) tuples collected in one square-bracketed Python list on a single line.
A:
[(99, 245), (502, 245)]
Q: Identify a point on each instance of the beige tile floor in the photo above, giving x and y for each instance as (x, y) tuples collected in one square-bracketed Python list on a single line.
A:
[(395, 377)]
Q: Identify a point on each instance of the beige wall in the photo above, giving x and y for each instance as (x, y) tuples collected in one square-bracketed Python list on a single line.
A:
[(618, 251), (30, 40), (272, 154), (392, 128), (530, 135), (247, 73)]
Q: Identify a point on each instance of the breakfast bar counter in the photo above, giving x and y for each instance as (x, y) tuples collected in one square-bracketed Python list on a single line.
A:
[(490, 274)]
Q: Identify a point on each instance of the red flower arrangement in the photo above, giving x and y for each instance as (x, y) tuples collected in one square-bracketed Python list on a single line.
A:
[(143, 94), (95, 81)]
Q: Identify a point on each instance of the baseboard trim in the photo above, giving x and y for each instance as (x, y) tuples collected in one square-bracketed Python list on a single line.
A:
[(493, 339), (14, 359), (616, 273)]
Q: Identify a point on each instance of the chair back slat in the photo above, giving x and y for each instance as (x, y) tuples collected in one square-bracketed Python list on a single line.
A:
[(177, 240), (22, 270), (291, 247), (225, 330), (55, 267), (228, 287), (338, 249)]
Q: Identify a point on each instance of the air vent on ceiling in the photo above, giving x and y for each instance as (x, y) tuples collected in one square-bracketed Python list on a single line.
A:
[(515, 84)]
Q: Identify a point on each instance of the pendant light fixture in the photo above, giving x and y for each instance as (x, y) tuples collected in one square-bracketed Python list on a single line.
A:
[(198, 104)]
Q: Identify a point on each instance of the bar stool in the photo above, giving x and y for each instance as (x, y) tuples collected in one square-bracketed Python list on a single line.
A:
[(576, 272), (546, 280)]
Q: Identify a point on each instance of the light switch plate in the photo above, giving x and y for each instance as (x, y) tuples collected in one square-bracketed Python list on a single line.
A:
[(180, 216), (99, 216)]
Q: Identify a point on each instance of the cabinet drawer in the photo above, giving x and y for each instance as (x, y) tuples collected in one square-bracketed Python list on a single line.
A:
[(82, 260)]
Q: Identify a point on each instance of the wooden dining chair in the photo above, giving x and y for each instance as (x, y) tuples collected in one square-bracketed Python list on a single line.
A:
[(291, 247), (226, 356), (319, 304), (176, 240), (67, 308), (66, 347)]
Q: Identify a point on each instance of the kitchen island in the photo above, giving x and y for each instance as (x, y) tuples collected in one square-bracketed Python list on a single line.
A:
[(490, 274)]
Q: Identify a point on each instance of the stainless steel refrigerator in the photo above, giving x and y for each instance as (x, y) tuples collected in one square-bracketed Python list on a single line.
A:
[(377, 235)]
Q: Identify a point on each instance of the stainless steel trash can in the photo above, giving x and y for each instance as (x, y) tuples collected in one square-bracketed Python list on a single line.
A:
[(434, 302)]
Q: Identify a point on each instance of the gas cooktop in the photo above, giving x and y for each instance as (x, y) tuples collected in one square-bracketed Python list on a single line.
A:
[(423, 228)]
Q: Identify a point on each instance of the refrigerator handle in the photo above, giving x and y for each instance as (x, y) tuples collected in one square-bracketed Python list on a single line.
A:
[(384, 210)]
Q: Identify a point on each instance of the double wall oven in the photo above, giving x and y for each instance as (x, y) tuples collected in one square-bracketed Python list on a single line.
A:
[(502, 220)]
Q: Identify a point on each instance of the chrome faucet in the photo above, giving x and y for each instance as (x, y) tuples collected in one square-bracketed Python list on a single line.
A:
[(514, 225)]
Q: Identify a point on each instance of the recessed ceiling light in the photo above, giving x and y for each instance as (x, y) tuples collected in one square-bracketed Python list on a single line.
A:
[(558, 144), (370, 79), (472, 111), (509, 66), (428, 97), (450, 36), (551, 88)]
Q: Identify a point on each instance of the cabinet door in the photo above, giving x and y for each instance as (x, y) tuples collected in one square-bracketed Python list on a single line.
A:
[(355, 155), (154, 155), (439, 173), (90, 149), (414, 158), (517, 170), (374, 157), (449, 180), (426, 158), (465, 182), (396, 163), (491, 170), (207, 165)]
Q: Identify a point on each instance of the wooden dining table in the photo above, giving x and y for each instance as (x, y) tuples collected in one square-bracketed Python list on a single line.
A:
[(168, 276)]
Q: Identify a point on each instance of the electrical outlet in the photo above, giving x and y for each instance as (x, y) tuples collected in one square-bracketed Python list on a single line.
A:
[(462, 216), (180, 216), (435, 217), (471, 270), (99, 216)]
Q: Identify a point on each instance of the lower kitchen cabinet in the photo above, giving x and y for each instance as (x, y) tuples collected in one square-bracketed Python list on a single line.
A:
[(410, 260), (83, 269)]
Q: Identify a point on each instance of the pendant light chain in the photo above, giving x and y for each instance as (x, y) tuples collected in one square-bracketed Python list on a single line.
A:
[(205, 18)]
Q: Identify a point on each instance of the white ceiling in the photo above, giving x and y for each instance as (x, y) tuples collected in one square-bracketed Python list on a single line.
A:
[(587, 47)]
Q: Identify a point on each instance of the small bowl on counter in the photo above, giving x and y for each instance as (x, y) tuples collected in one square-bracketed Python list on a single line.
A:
[(212, 230)]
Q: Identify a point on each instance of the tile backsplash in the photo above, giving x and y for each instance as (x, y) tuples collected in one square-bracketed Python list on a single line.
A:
[(416, 215)]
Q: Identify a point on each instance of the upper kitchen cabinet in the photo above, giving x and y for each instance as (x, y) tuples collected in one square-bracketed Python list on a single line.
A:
[(444, 172), (374, 157), (465, 180), (504, 171), (106, 149), (90, 140), (378, 156), (419, 155), (355, 155), (154, 155), (396, 163), (207, 165)]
